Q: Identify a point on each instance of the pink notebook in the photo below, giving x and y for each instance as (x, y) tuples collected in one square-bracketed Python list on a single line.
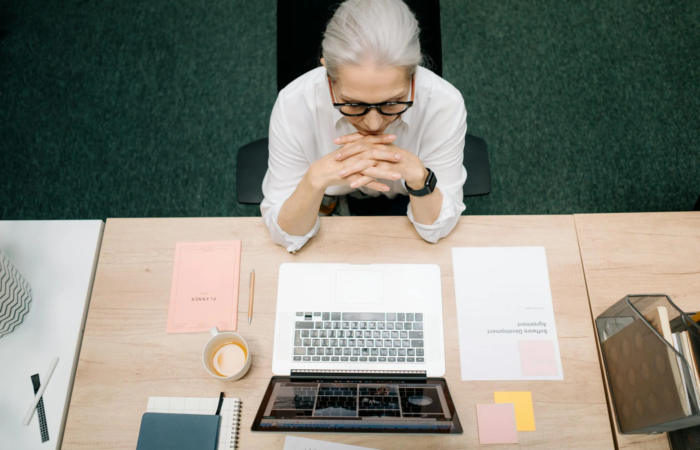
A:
[(204, 291)]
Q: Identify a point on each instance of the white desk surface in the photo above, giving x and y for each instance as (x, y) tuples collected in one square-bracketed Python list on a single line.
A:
[(58, 260)]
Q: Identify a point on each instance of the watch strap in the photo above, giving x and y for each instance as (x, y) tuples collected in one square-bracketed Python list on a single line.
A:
[(428, 186)]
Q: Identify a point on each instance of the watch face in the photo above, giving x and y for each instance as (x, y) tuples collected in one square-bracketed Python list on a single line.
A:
[(431, 181)]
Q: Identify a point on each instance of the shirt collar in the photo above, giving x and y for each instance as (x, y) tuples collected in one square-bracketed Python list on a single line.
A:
[(406, 117), (337, 117)]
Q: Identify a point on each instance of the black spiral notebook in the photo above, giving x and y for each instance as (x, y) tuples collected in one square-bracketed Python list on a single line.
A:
[(160, 431), (201, 423)]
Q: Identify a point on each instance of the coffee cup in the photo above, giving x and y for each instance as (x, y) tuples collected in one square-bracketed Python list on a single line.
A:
[(226, 356)]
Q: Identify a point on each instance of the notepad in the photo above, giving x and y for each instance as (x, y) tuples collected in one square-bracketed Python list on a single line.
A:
[(496, 424), (522, 401), (230, 414), (204, 290), (161, 431)]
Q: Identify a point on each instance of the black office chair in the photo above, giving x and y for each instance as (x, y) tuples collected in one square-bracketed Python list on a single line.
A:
[(697, 205), (300, 27)]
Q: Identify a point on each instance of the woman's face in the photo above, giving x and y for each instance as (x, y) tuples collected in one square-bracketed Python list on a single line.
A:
[(369, 84)]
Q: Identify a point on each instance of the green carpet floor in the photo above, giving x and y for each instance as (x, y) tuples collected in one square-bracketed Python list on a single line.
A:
[(137, 108)]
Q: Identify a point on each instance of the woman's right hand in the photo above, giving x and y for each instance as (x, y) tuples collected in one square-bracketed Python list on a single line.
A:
[(327, 171)]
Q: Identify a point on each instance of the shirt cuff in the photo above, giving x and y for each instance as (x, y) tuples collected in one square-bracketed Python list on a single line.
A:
[(295, 243), (442, 225)]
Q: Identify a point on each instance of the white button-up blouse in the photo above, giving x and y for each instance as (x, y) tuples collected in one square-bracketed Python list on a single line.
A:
[(304, 125)]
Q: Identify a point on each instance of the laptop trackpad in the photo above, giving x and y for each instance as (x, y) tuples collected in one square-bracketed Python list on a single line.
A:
[(359, 286)]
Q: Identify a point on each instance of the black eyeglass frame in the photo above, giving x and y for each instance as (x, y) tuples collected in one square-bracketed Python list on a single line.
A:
[(377, 106)]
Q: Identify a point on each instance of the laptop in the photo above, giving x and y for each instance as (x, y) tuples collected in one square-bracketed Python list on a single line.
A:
[(357, 404), (357, 349), (347, 317)]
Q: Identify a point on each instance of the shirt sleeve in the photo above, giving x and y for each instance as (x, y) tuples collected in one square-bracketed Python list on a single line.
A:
[(286, 167), (442, 150)]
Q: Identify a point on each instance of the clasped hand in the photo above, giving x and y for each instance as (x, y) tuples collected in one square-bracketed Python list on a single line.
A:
[(363, 159)]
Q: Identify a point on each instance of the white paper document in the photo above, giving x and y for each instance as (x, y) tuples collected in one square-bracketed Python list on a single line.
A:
[(505, 314), (298, 443)]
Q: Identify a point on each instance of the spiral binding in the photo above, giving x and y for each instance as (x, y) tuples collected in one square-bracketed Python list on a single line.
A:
[(236, 425)]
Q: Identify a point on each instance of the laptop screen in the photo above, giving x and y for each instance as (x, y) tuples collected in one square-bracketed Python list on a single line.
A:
[(346, 406)]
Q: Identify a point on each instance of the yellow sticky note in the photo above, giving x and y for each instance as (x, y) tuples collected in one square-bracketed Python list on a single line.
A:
[(524, 415)]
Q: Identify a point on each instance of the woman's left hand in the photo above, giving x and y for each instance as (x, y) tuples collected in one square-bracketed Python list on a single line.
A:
[(362, 161)]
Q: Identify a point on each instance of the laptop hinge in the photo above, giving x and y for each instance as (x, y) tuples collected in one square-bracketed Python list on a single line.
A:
[(360, 374)]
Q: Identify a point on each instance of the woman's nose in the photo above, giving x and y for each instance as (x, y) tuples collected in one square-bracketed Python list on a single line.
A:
[(374, 120)]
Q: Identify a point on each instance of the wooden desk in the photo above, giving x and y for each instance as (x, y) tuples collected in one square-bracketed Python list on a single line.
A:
[(127, 356), (652, 253)]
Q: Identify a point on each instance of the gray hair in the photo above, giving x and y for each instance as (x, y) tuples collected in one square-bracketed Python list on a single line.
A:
[(381, 32)]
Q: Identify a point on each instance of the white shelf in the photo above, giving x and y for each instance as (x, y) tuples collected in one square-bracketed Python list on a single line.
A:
[(58, 259)]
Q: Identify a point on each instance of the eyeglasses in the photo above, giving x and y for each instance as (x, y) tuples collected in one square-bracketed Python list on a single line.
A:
[(386, 108)]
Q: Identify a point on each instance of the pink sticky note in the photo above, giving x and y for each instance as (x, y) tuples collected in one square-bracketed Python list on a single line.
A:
[(497, 424), (537, 358)]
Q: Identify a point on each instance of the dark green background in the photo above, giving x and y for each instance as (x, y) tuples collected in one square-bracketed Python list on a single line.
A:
[(128, 108)]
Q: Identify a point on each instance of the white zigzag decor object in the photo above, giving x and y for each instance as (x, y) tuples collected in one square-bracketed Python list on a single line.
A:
[(15, 297)]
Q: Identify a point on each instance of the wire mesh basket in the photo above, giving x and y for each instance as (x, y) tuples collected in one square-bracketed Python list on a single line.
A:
[(685, 439), (650, 352)]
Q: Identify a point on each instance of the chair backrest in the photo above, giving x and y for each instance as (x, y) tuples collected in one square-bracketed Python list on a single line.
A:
[(300, 27)]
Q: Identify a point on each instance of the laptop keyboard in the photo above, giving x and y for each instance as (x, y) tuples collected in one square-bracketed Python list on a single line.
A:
[(359, 337)]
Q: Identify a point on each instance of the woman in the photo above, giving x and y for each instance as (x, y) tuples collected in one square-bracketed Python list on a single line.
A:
[(370, 122)]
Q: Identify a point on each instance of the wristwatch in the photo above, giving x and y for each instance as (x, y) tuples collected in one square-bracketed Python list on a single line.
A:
[(428, 188)]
